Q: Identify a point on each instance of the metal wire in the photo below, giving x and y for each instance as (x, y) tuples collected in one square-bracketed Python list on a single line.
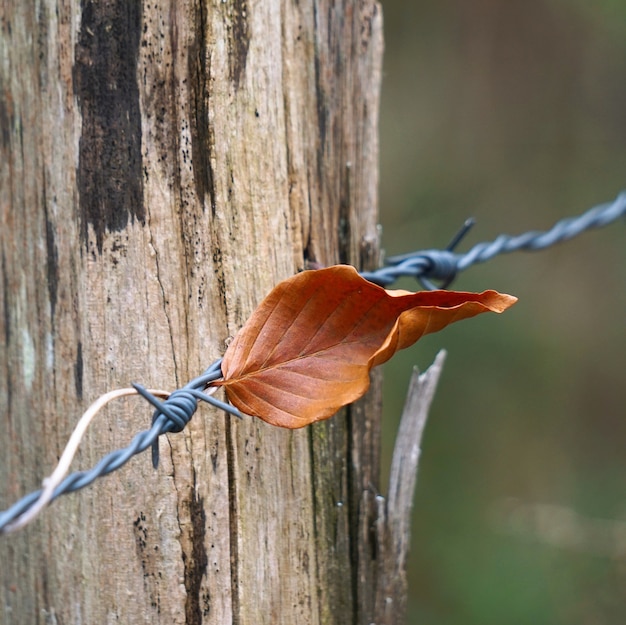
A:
[(444, 265), (170, 415), (173, 414)]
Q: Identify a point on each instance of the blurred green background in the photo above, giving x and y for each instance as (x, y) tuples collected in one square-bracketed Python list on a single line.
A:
[(514, 112)]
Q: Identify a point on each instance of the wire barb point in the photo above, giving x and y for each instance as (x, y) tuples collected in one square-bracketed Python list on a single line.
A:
[(468, 224)]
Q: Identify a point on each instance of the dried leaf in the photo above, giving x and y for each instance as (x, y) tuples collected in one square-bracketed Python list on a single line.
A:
[(308, 348)]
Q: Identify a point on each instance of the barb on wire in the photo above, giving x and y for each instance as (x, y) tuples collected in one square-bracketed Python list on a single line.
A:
[(173, 414), (444, 265), (170, 416)]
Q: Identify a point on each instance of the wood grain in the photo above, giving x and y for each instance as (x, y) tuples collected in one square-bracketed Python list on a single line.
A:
[(160, 170)]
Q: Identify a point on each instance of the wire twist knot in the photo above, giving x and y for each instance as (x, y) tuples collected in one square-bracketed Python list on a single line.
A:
[(178, 408), (440, 265)]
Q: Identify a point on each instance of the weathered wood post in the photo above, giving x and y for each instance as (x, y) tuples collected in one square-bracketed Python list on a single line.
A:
[(162, 166)]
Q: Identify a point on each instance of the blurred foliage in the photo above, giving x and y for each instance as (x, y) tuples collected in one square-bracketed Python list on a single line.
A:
[(513, 112)]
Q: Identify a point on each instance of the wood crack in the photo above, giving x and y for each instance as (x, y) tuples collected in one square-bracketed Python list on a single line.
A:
[(233, 522), (164, 300)]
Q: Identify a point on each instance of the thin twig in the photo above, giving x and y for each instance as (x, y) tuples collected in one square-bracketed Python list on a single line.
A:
[(394, 521), (406, 452)]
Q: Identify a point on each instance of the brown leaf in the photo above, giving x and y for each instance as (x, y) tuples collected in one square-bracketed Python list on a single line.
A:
[(308, 348)]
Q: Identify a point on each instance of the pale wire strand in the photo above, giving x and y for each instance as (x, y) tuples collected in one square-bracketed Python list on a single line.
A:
[(179, 406), (51, 482), (170, 416)]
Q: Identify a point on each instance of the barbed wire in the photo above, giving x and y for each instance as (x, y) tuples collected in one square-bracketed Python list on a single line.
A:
[(444, 265), (173, 414)]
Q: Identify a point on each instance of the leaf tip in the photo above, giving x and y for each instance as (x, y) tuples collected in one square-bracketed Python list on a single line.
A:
[(499, 302)]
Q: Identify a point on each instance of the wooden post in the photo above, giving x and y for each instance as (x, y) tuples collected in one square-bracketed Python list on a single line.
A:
[(162, 166)]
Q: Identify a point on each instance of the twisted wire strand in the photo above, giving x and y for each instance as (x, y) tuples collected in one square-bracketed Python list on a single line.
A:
[(445, 265), (173, 414), (170, 415)]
